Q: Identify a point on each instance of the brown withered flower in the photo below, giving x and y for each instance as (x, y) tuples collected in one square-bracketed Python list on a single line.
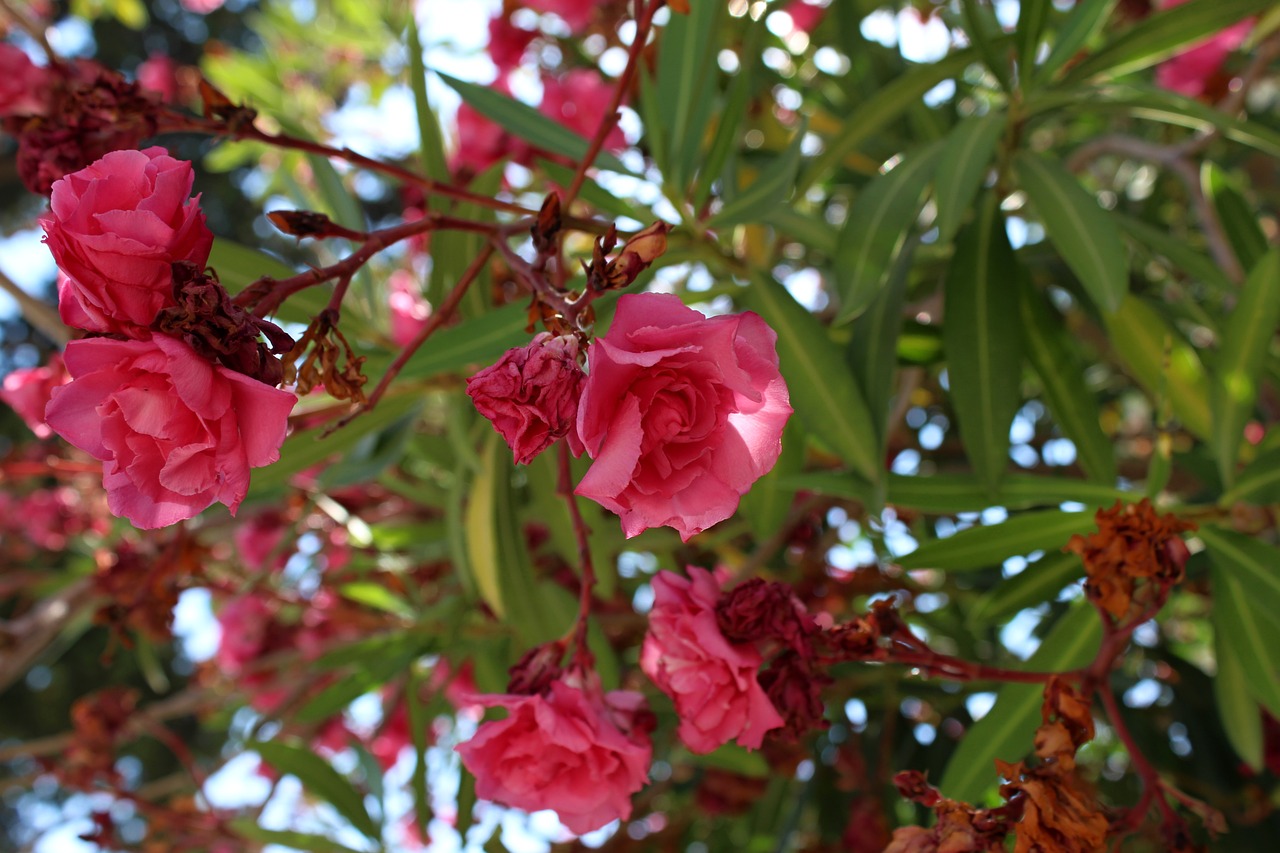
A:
[(1133, 543)]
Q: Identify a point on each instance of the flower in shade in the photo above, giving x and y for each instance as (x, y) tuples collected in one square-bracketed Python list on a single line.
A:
[(27, 391)]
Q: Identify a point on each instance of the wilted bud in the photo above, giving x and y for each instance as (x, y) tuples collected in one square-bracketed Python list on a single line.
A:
[(637, 254), (761, 610), (547, 226), (308, 223), (534, 672)]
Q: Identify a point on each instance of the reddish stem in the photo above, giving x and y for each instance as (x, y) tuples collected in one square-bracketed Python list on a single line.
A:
[(1152, 785)]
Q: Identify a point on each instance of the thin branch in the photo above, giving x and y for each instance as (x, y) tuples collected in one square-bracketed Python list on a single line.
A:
[(36, 312), (582, 654)]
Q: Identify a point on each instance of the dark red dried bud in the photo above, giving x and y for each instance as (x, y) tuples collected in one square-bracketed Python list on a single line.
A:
[(795, 690), (309, 223), (914, 785), (218, 329), (760, 610), (534, 672), (218, 106), (724, 792), (547, 226), (640, 251)]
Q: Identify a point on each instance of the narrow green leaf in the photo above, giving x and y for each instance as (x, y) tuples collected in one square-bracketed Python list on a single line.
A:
[(874, 114), (1061, 371), (951, 493), (246, 828), (1032, 15), (473, 343), (1082, 231), (1238, 710), (983, 341), (1163, 34), (873, 346), (1238, 218), (320, 779), (1039, 582), (982, 547), (809, 228), (1178, 252), (686, 78), (1008, 729), (1155, 104), (1085, 19), (1258, 483), (984, 31), (1246, 339), (824, 395), (1256, 564), (770, 188), (368, 676), (377, 596), (847, 486), (430, 137), (340, 202), (880, 219), (500, 561), (1247, 633), (730, 117), (1140, 336), (530, 125), (970, 148)]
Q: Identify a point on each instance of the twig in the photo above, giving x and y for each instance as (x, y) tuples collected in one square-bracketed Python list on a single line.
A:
[(582, 654), (36, 312), (29, 27)]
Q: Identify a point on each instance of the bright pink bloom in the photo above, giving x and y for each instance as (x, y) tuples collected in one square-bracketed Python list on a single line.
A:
[(481, 143), (202, 7), (1192, 72), (409, 311), (159, 74), (681, 412), (712, 681), (507, 43), (175, 433), (576, 13), (24, 86), (805, 15), (531, 394), (115, 228), (261, 537), (578, 753), (245, 623), (27, 391), (579, 101)]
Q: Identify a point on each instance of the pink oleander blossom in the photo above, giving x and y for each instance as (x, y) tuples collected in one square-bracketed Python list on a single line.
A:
[(711, 680), (27, 391), (24, 86), (409, 311), (115, 229), (572, 750), (681, 413), (1194, 71), (174, 432), (579, 100)]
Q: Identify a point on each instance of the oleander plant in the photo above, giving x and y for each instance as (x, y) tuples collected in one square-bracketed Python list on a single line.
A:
[(640, 425)]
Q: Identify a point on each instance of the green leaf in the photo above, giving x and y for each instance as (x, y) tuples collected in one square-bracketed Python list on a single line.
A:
[(730, 120), (1239, 221), (970, 148), (824, 394), (430, 137), (1140, 336), (1178, 252), (735, 759), (1163, 34), (370, 674), (1008, 729), (1086, 18), (1083, 232), (246, 828), (1256, 564), (475, 342), (339, 202), (1039, 582), (1258, 483), (1238, 710), (770, 188), (530, 125), (1061, 371), (1032, 15), (1246, 631), (873, 346), (320, 779), (984, 31), (874, 114), (952, 493), (983, 341), (982, 547), (377, 596), (685, 87), (500, 560), (1246, 340), (879, 221)]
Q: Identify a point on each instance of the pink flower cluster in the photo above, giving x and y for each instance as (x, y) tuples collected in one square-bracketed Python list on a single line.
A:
[(175, 432), (1196, 72), (681, 412)]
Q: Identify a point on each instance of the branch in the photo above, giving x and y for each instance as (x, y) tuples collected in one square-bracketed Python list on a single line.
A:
[(31, 633), (582, 654), (36, 312)]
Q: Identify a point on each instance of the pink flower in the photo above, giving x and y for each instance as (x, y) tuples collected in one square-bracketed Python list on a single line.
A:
[(27, 391), (245, 623), (531, 394), (409, 311), (580, 754), (712, 681), (1193, 72), (24, 86), (576, 13), (159, 74), (115, 228), (681, 412), (579, 101), (261, 537), (202, 7), (805, 15), (507, 43), (175, 433)]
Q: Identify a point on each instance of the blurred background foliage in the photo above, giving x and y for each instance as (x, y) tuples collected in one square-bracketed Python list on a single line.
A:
[(1014, 278)]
